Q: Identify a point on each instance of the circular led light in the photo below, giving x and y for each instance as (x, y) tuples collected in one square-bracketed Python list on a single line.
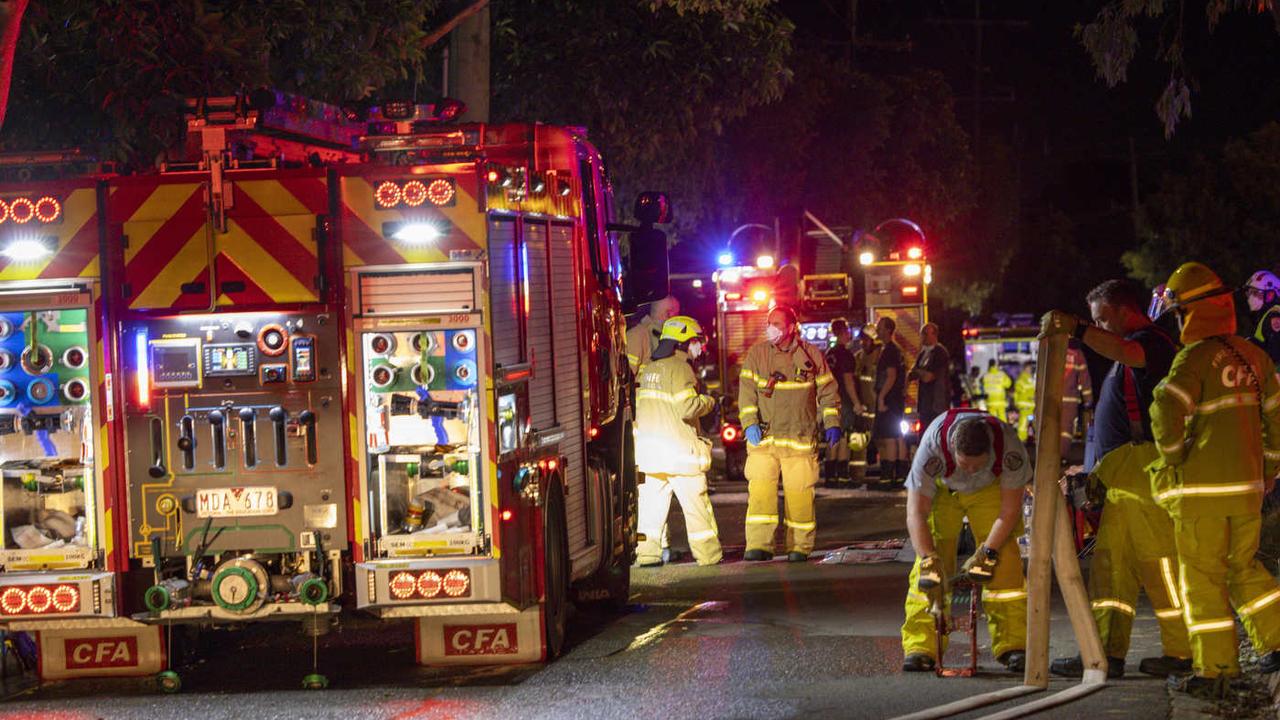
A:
[(13, 600), (402, 584), (48, 209), (382, 344), (414, 193), (74, 357), (387, 194), (65, 598), (4, 211), (383, 376), (21, 210), (75, 390), (39, 599), (456, 583), (462, 341), (429, 584), (440, 191), (40, 391)]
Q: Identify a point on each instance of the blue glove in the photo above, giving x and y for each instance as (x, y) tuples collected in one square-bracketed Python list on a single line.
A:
[(755, 435), (833, 436)]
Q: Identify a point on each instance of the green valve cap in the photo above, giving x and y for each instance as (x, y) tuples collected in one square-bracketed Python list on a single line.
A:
[(168, 681), (157, 598), (315, 681), (235, 589), (314, 591), (460, 467)]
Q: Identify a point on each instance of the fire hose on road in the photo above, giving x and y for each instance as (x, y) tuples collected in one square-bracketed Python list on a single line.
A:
[(1051, 541)]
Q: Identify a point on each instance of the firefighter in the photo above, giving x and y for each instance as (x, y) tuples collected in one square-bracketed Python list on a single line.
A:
[(785, 394), (1212, 474), (865, 360), (995, 385), (969, 464), (1024, 398), (841, 362), (973, 388), (1077, 394), (673, 458), (1262, 292), (642, 338), (1133, 537)]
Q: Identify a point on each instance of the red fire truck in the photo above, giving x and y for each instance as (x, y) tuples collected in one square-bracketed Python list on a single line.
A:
[(488, 384), (61, 510)]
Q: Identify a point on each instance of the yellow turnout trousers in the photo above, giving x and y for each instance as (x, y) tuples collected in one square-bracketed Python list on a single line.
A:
[(699, 519), (799, 473), (998, 407), (1119, 568), (1004, 599), (1219, 573)]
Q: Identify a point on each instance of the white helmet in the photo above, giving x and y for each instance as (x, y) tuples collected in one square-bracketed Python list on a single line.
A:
[(1262, 289)]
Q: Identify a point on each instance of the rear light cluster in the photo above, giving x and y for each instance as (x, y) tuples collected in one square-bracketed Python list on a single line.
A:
[(39, 599), (429, 584), (22, 210), (391, 194), (729, 433)]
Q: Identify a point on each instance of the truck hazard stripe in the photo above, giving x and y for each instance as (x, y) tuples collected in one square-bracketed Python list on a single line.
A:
[(169, 255), (77, 239)]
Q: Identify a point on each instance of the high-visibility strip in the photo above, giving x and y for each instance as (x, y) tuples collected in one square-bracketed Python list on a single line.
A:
[(1070, 400), (813, 525), (762, 519), (1271, 454), (1170, 587), (635, 359), (749, 375), (1109, 604), (650, 394), (1272, 402), (858, 463), (746, 409), (1182, 395), (825, 378), (1067, 435), (1211, 626), (1211, 490), (1173, 448), (684, 395), (1227, 402), (790, 384), (1257, 604), (918, 596), (1003, 595), (1169, 614), (783, 442), (1120, 494), (702, 535), (867, 378), (830, 412)]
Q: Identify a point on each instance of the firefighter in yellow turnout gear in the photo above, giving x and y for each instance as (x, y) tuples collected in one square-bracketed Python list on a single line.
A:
[(673, 458), (785, 394), (1216, 420), (995, 384), (1024, 398), (968, 465), (644, 337)]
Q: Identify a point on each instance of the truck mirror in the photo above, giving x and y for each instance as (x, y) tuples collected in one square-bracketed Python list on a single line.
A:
[(646, 278), (653, 207)]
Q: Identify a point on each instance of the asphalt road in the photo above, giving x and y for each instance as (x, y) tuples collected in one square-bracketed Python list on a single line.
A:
[(771, 640)]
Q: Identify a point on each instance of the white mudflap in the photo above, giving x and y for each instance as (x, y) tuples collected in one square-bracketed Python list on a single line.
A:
[(496, 639), (111, 650)]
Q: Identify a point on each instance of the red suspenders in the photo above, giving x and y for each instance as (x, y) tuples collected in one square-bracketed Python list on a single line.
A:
[(997, 439)]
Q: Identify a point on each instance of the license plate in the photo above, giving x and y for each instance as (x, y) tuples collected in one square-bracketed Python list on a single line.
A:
[(236, 502)]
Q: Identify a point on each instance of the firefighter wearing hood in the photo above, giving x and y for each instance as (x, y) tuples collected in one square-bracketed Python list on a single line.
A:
[(1216, 421)]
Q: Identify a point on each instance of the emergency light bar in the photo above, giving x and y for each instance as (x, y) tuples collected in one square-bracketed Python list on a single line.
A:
[(440, 192), (22, 210)]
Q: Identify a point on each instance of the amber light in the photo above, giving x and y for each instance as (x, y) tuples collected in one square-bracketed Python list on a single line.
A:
[(39, 599), (391, 194), (22, 210), (414, 193), (387, 194), (428, 584)]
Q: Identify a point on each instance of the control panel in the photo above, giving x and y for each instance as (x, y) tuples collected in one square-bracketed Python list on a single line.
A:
[(233, 416)]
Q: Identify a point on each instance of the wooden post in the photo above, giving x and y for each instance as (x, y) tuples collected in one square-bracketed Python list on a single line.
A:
[(1050, 377), (1071, 582)]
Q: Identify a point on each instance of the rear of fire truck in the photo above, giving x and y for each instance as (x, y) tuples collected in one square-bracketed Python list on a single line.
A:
[(60, 509), (229, 319), (487, 380)]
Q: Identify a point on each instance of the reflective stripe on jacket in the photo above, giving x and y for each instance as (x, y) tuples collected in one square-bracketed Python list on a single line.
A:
[(641, 340), (802, 400), (668, 406), (994, 383), (1217, 434)]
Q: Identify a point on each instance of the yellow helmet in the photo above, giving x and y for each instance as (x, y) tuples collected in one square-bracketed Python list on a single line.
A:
[(681, 328), (1203, 302)]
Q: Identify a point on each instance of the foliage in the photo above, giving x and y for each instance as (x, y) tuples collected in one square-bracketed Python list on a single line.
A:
[(655, 88), (731, 10), (1224, 210), (108, 75), (1112, 41)]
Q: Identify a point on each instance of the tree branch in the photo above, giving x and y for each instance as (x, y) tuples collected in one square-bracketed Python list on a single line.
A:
[(11, 12), (435, 35)]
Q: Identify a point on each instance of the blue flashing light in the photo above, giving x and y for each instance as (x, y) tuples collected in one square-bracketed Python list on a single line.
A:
[(725, 259)]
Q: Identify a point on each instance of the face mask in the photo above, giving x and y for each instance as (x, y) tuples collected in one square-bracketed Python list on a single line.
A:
[(695, 350), (773, 333)]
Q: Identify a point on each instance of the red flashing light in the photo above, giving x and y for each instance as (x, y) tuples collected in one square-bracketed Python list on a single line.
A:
[(507, 515), (387, 194), (21, 210), (4, 211), (910, 290), (66, 598), (729, 433), (916, 427), (593, 432), (48, 209), (414, 193), (39, 599), (732, 296), (440, 191), (493, 176), (552, 464), (13, 600), (915, 253), (456, 583), (429, 584)]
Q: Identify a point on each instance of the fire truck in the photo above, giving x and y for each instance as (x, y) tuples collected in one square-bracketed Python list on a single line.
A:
[(493, 477)]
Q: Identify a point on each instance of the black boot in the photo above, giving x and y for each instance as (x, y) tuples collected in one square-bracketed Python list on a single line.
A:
[(918, 662), (1073, 667), (1167, 665)]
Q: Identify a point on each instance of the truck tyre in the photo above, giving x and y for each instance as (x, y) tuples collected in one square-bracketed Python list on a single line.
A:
[(555, 570)]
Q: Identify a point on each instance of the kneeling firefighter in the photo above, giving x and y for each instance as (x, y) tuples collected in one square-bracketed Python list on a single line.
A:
[(969, 464), (673, 458), (1216, 420)]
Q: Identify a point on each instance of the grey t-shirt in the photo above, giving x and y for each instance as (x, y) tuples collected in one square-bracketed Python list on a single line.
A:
[(930, 463)]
